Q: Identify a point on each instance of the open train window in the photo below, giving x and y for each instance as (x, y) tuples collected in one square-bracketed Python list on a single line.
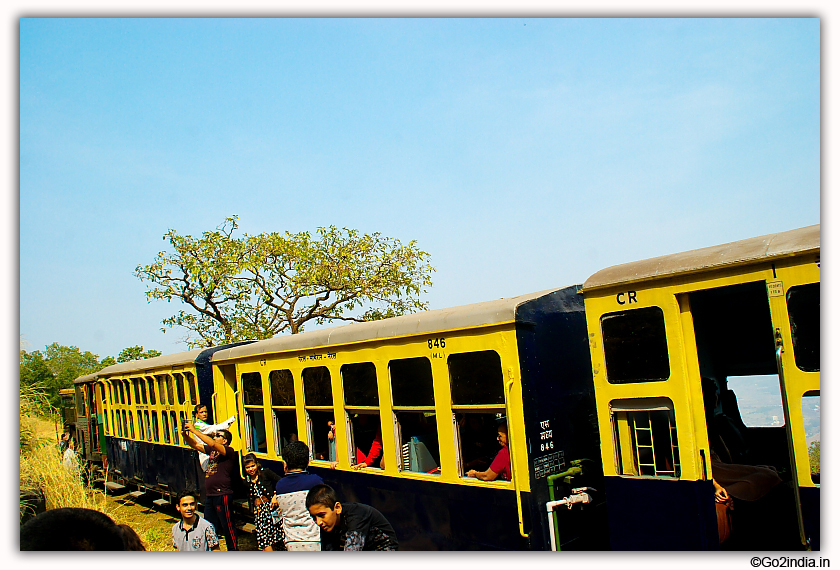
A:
[(136, 383), (635, 346), (165, 420), (155, 432), (179, 387), (318, 403), (190, 379), (161, 388), (131, 423), (412, 391), (283, 408), (645, 435), (811, 418), (175, 439), (361, 399), (478, 402), (252, 399), (127, 392), (756, 400), (141, 432), (148, 425), (804, 310), (151, 383)]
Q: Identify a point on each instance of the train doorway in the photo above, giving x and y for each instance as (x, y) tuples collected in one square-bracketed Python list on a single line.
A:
[(747, 417)]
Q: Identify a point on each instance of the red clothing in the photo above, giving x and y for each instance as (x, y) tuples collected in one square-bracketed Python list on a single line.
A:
[(374, 453), (501, 464)]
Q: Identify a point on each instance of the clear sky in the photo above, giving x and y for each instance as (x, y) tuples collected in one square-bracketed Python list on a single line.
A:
[(523, 154)]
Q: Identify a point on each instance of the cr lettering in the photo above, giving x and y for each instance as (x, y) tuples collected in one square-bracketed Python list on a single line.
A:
[(631, 298)]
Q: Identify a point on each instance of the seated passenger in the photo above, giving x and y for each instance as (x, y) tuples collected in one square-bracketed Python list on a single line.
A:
[(501, 464), (374, 455)]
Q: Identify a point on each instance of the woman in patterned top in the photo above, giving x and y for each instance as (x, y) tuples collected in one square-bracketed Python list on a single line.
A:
[(261, 483)]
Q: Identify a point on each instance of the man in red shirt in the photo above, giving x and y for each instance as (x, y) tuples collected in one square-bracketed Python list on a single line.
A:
[(501, 464)]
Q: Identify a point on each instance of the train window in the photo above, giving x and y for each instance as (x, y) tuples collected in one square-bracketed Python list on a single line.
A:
[(140, 431), (127, 392), (811, 417), (143, 395), (107, 424), (476, 378), (477, 439), (174, 418), (151, 385), (252, 399), (179, 385), (804, 310), (411, 382), (635, 347), (360, 384), (148, 425), (131, 423), (136, 383), (252, 393), (364, 424), (116, 428), (645, 435), (161, 389), (283, 408), (191, 385), (170, 391), (183, 416), (412, 391), (754, 400), (165, 421), (318, 403), (155, 432)]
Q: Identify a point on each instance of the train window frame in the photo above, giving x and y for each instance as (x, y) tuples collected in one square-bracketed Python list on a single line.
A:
[(488, 408), (161, 389), (146, 418), (165, 421), (173, 417), (254, 412), (408, 452), (631, 443), (180, 391), (155, 426), (280, 411), (150, 382), (131, 423), (318, 415), (806, 347), (136, 385), (616, 347), (808, 398), (141, 435), (127, 392), (189, 378), (367, 405)]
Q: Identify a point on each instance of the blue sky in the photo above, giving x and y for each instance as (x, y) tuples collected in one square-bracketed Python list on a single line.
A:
[(523, 154)]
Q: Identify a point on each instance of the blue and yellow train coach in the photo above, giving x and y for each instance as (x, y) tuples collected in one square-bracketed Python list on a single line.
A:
[(617, 395)]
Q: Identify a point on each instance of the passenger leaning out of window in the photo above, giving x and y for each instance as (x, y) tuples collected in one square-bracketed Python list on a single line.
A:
[(501, 464)]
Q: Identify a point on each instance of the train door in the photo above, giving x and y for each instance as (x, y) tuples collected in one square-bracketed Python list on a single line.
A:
[(657, 492), (794, 295), (747, 411)]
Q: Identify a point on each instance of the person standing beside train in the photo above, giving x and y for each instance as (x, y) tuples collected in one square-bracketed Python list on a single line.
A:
[(200, 415), (222, 472)]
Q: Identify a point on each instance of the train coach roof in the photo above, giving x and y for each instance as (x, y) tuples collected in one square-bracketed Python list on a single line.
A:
[(762, 248), (465, 316), (150, 363), (85, 379)]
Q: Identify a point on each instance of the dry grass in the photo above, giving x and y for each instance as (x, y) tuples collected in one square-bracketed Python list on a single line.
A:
[(42, 471)]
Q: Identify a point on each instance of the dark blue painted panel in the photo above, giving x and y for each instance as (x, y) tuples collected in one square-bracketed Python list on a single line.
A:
[(651, 514), (809, 497)]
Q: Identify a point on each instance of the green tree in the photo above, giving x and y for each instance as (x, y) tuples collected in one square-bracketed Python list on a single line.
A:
[(255, 287), (34, 370), (136, 353), (814, 456)]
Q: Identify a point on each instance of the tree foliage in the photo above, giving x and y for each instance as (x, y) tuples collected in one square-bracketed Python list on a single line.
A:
[(57, 366), (814, 456), (255, 287)]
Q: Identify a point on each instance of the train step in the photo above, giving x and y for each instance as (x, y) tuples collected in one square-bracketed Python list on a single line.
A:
[(137, 494), (247, 527), (114, 487), (161, 502)]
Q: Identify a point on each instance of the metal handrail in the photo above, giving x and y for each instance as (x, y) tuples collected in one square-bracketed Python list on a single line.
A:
[(513, 473)]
